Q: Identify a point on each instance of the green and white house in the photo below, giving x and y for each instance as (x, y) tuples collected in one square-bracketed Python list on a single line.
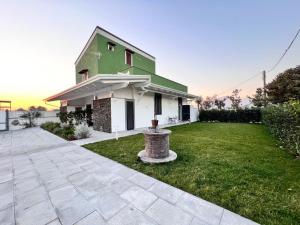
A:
[(117, 81)]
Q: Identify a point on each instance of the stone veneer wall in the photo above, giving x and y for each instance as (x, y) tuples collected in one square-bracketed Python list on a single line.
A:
[(102, 114)]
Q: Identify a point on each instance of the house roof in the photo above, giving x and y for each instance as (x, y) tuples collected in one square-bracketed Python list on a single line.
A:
[(107, 34), (102, 83)]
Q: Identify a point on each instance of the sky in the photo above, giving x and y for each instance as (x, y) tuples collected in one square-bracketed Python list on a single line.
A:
[(211, 46)]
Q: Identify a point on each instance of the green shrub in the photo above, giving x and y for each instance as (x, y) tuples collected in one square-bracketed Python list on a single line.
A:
[(78, 116), (240, 115), (67, 131), (50, 126), (283, 121), (63, 117)]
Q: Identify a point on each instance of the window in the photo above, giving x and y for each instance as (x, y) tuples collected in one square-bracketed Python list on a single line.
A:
[(111, 46), (84, 74), (157, 104), (128, 57)]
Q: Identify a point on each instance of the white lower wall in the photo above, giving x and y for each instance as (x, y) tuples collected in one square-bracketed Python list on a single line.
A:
[(194, 114), (169, 109), (144, 110), (118, 114)]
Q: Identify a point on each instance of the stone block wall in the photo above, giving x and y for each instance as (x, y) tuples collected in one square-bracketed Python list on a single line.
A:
[(102, 114)]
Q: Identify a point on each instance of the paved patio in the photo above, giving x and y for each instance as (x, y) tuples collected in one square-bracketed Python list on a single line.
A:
[(47, 180)]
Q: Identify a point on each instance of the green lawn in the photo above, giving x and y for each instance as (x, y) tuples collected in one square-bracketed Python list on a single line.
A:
[(236, 166)]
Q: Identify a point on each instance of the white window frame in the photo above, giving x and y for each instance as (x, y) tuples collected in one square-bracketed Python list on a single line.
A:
[(84, 76), (126, 58), (110, 47)]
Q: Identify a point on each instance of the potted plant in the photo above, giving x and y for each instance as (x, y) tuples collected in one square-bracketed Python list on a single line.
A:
[(154, 122)]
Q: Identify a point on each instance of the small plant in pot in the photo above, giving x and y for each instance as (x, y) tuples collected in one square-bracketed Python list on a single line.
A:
[(154, 122)]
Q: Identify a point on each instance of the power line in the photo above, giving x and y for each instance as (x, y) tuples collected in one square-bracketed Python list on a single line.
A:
[(239, 84), (284, 53), (275, 65)]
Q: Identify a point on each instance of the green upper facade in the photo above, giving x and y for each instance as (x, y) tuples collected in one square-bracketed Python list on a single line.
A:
[(107, 54)]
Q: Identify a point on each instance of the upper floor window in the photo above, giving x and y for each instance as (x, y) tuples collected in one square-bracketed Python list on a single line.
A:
[(111, 46), (84, 74), (128, 57)]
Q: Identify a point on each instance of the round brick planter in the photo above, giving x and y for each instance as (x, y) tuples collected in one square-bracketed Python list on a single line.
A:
[(157, 147)]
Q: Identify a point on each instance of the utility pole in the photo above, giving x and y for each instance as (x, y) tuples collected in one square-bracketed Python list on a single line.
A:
[(264, 87)]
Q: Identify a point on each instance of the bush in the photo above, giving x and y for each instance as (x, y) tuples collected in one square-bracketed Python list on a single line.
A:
[(82, 131), (283, 121), (69, 117), (63, 117), (50, 126), (67, 132), (240, 115)]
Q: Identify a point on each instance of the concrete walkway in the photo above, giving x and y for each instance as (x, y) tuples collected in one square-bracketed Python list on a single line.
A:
[(97, 136), (47, 180)]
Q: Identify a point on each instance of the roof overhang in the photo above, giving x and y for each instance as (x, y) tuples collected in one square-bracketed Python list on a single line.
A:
[(105, 83), (168, 91), (99, 84)]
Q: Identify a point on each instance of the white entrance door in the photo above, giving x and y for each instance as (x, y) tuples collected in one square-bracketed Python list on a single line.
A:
[(3, 120)]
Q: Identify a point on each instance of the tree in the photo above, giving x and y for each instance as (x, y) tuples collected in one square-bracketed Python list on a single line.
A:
[(285, 86), (32, 108), (199, 102), (220, 103), (235, 99), (41, 108), (20, 109), (30, 116), (208, 103), (258, 98)]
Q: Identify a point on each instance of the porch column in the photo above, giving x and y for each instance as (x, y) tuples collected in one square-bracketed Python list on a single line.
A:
[(102, 114)]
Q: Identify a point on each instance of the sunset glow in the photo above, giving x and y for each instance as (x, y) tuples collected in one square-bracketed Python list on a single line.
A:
[(210, 47)]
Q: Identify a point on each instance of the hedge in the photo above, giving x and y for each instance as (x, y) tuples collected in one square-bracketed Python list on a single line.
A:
[(241, 115), (283, 121)]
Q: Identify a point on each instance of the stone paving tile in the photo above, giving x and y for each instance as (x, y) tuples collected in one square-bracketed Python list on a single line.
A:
[(6, 195), (131, 216), (24, 201), (26, 185), (197, 221), (93, 219), (54, 222), (88, 185), (230, 218), (6, 174), (165, 213), (121, 170), (71, 211), (56, 183), (108, 203), (91, 167), (24, 175), (104, 175), (7, 216), (39, 214), (119, 185), (205, 210), (166, 192), (139, 198), (142, 180), (62, 194)]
